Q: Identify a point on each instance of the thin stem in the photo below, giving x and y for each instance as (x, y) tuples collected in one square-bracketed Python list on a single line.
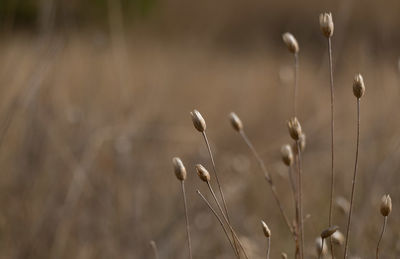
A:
[(299, 193), (154, 248), (354, 181), (380, 238), (234, 236), (268, 246), (322, 249), (332, 141), (220, 222), (268, 177), (296, 81), (187, 219), (218, 183)]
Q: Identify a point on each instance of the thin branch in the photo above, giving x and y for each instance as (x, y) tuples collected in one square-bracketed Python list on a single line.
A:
[(296, 81), (380, 238), (187, 219), (299, 193), (154, 249)]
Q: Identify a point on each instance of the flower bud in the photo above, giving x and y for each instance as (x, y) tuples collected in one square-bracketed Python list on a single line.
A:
[(179, 168), (287, 155), (329, 232), (326, 24), (358, 86), (235, 121), (267, 232), (386, 205), (290, 42), (198, 121), (338, 238), (203, 173), (294, 128)]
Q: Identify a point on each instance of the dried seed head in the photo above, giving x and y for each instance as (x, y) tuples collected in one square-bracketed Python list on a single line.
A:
[(267, 232), (235, 121), (338, 238), (329, 232), (198, 121), (283, 255), (358, 86), (294, 128), (287, 154), (326, 24), (290, 42), (321, 249), (179, 168), (386, 205), (203, 173), (302, 142)]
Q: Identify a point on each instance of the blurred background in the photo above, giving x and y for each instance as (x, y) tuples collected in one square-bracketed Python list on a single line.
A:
[(95, 98)]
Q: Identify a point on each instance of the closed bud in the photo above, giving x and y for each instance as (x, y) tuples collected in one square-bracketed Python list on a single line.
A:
[(326, 24), (203, 173), (386, 205), (329, 232), (290, 42), (179, 168), (267, 232), (338, 238), (235, 121), (358, 86), (294, 128), (287, 155), (283, 255), (198, 121)]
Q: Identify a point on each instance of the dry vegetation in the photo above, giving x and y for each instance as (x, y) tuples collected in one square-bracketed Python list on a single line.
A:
[(89, 123)]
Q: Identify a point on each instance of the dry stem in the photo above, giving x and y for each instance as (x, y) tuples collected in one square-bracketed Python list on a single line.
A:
[(187, 219), (380, 238)]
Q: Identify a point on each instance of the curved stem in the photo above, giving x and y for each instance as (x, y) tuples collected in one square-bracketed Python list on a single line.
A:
[(187, 219), (332, 141), (380, 238), (268, 247), (354, 181), (220, 222), (268, 177), (296, 81), (154, 248)]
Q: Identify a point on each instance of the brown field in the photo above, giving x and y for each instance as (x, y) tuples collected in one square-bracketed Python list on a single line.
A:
[(91, 118)]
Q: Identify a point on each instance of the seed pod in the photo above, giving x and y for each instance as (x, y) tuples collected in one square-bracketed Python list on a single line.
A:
[(267, 232), (294, 128), (386, 205), (329, 231), (179, 168), (358, 86), (326, 24), (236, 122), (290, 42), (198, 121), (203, 173), (321, 249), (338, 238), (287, 154)]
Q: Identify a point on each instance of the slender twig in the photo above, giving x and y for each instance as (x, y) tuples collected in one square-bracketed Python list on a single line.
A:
[(380, 238), (300, 206), (296, 81), (218, 183), (187, 219), (332, 141), (220, 222), (268, 246), (154, 248), (268, 177), (354, 180), (235, 237)]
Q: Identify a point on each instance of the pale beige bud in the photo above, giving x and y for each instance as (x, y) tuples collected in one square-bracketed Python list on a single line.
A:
[(329, 232), (290, 42), (302, 142), (386, 205), (287, 155), (321, 249), (267, 232), (294, 128), (283, 255), (338, 238), (198, 120), (326, 24), (202, 173), (179, 168), (235, 121), (358, 86)]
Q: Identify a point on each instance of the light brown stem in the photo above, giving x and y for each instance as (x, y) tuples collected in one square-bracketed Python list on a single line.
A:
[(268, 246), (300, 198), (154, 249), (296, 81), (354, 181), (187, 219), (380, 237)]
